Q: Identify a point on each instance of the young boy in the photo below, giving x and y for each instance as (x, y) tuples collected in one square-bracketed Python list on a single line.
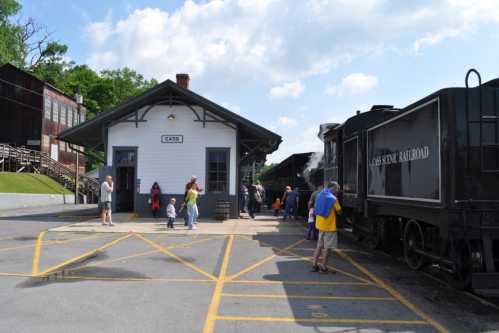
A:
[(170, 213), (276, 206), (311, 231)]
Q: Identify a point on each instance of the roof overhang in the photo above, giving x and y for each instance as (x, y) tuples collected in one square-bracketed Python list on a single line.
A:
[(255, 139)]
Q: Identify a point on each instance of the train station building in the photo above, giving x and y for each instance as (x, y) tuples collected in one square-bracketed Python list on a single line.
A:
[(166, 135)]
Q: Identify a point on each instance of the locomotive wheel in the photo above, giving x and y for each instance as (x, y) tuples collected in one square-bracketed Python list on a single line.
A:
[(463, 267), (413, 239)]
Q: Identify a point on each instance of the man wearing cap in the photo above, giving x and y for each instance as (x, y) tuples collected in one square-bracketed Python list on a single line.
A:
[(325, 209)]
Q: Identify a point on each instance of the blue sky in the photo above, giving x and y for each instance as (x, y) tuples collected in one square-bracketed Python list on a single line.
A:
[(287, 65)]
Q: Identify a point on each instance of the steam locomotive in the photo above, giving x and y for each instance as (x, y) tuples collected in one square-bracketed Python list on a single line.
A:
[(427, 176)]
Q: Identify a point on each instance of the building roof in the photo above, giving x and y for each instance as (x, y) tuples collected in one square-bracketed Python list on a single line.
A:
[(34, 78), (91, 132)]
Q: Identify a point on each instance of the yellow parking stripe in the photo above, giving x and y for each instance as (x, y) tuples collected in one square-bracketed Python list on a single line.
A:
[(132, 279), (263, 261), (141, 254), (36, 255), (81, 256), (317, 297), (394, 293), (211, 316), (174, 256), (324, 320), (53, 242), (289, 252), (297, 282)]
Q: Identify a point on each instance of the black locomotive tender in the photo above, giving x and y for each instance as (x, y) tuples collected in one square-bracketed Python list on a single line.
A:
[(426, 175)]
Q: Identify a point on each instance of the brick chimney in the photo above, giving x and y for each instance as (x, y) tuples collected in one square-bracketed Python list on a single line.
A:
[(183, 80)]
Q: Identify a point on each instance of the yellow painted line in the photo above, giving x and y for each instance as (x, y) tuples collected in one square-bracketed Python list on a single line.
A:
[(284, 296), (265, 260), (324, 320), (53, 242), (174, 256), (394, 293), (141, 254), (289, 252), (36, 255), (211, 316), (81, 256), (298, 282), (15, 274), (132, 279)]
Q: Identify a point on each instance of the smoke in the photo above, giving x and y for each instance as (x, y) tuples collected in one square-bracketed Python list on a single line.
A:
[(313, 163)]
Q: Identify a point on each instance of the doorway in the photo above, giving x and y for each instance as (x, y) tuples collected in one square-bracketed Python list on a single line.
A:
[(125, 164), (125, 177)]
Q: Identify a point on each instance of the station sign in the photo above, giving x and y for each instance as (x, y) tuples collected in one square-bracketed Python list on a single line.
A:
[(172, 139)]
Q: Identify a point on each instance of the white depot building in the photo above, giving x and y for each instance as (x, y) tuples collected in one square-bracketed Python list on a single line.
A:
[(166, 135)]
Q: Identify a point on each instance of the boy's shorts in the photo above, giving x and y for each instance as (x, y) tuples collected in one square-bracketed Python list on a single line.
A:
[(327, 240), (106, 205)]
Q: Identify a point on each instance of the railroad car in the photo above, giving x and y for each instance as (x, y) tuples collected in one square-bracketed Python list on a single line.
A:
[(427, 176)]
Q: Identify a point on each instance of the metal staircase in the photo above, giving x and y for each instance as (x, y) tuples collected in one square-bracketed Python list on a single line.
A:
[(21, 159)]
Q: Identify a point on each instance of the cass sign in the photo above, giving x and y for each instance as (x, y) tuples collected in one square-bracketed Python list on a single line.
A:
[(172, 139)]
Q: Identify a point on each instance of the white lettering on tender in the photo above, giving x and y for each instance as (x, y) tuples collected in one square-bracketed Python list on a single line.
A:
[(411, 154)]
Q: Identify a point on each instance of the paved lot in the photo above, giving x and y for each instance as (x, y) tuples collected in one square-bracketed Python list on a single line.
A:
[(177, 282)]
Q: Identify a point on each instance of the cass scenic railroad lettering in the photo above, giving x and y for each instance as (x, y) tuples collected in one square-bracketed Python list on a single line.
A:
[(411, 154)]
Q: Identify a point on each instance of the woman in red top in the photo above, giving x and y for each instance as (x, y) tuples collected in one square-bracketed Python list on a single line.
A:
[(155, 199)]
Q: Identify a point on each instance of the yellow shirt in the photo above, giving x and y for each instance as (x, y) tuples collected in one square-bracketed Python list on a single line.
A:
[(328, 223), (192, 196)]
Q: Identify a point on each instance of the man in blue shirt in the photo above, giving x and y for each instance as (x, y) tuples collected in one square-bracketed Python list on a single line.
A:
[(290, 200)]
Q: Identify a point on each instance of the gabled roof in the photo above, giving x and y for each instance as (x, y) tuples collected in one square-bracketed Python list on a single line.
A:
[(90, 132)]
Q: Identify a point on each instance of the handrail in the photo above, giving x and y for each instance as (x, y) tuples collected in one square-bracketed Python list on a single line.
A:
[(53, 167)]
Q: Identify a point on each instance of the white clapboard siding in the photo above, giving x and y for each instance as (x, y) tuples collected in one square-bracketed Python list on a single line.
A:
[(172, 165)]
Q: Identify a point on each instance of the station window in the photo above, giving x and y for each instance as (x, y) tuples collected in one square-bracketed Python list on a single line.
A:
[(70, 116), (82, 117), (217, 170)]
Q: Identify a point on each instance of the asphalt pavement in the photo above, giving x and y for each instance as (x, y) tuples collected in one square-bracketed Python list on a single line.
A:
[(128, 281)]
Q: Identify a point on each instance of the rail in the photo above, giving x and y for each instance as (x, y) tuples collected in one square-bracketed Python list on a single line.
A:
[(21, 159)]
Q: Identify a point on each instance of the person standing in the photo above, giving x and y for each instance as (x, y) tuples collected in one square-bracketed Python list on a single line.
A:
[(243, 193), (170, 213), (290, 200), (260, 197), (312, 230), (325, 209), (192, 207), (106, 197), (155, 199), (253, 200), (184, 204)]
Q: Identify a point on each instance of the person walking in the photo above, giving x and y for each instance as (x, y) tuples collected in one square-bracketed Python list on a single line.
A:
[(325, 209), (192, 207), (155, 199), (290, 200), (106, 197)]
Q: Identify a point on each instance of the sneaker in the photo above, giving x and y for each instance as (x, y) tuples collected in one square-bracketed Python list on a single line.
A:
[(111, 224), (104, 223), (315, 269)]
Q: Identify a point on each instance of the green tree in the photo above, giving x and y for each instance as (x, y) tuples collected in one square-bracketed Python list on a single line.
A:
[(11, 50)]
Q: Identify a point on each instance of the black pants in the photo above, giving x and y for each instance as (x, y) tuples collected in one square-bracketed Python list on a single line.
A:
[(155, 212), (252, 207)]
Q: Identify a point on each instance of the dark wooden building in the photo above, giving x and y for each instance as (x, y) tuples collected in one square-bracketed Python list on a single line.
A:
[(33, 113)]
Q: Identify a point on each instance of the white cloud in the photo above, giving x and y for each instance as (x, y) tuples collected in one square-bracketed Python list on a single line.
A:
[(288, 89), (286, 122), (353, 84), (276, 40)]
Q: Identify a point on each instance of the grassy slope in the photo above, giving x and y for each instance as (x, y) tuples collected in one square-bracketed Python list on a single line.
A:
[(11, 182)]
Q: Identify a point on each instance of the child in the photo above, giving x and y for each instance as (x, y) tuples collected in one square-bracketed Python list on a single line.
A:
[(312, 231), (170, 213), (276, 206)]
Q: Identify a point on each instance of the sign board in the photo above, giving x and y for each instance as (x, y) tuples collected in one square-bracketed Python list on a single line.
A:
[(403, 155), (33, 143), (172, 139)]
